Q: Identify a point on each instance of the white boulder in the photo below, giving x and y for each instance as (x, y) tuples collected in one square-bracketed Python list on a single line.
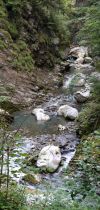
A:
[(40, 114), (79, 52), (61, 127), (68, 112), (49, 158), (82, 96)]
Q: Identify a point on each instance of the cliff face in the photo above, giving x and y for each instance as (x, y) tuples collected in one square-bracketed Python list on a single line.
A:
[(33, 35), (34, 32)]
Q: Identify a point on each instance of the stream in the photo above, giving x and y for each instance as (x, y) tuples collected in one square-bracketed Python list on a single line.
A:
[(37, 134)]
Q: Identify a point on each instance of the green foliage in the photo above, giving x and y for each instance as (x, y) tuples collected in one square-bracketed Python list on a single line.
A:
[(89, 118), (90, 31), (30, 178), (87, 162), (22, 57), (15, 200), (37, 23), (96, 90)]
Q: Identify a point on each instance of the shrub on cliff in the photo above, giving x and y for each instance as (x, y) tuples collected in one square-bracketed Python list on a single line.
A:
[(42, 25)]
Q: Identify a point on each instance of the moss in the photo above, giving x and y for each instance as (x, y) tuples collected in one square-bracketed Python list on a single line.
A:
[(97, 65), (22, 57), (31, 179), (13, 30), (9, 106)]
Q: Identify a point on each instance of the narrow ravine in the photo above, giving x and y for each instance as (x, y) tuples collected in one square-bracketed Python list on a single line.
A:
[(59, 130)]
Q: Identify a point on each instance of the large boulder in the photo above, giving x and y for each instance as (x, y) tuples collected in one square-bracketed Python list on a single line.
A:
[(68, 112), (82, 96), (79, 53), (40, 114), (49, 158)]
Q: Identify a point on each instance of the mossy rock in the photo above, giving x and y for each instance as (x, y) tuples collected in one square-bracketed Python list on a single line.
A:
[(32, 179), (9, 106)]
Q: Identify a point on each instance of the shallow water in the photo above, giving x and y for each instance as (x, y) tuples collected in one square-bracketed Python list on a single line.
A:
[(28, 123)]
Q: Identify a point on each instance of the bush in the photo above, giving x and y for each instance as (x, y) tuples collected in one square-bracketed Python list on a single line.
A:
[(38, 23), (22, 57), (15, 200), (90, 30), (89, 118)]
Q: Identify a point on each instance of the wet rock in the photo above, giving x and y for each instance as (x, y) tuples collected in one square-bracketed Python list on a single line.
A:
[(79, 60), (80, 83), (61, 127), (32, 159), (32, 178), (80, 53), (9, 118), (83, 68), (2, 64), (96, 75), (64, 140), (49, 158), (82, 96), (64, 66), (40, 114), (68, 112), (67, 157), (88, 60)]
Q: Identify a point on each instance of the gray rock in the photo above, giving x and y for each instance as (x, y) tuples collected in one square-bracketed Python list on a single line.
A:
[(96, 75), (82, 96), (88, 60)]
